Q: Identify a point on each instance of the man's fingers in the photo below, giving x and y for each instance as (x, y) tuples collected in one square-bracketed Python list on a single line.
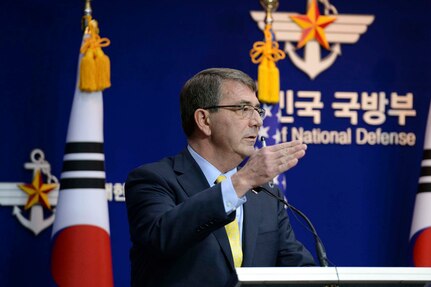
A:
[(299, 154), (283, 146), (267, 162), (287, 165), (296, 150), (281, 154), (290, 158)]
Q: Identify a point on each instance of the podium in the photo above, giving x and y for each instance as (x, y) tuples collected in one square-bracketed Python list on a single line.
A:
[(333, 276)]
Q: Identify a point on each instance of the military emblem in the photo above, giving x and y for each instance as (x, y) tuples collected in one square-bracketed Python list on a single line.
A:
[(315, 33), (35, 199), (33, 202)]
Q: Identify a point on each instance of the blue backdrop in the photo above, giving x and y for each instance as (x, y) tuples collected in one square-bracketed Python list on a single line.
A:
[(359, 196)]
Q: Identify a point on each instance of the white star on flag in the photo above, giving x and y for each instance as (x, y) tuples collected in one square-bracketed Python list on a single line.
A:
[(263, 132)]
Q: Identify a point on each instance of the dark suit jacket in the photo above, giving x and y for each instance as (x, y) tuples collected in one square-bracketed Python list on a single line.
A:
[(177, 228)]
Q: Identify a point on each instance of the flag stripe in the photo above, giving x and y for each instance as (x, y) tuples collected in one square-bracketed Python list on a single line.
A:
[(424, 187), (84, 147), (427, 154), (426, 162), (85, 156), (425, 179), (84, 174), (73, 183), (71, 165), (425, 170)]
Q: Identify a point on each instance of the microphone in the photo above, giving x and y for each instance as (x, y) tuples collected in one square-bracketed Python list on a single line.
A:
[(320, 249)]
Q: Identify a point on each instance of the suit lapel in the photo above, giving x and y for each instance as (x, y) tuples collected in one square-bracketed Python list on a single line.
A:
[(252, 214), (192, 180), (189, 174)]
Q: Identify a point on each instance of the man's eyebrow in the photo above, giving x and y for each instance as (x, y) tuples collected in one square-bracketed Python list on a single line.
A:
[(244, 102)]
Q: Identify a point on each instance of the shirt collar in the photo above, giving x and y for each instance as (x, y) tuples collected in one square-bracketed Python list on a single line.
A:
[(211, 172)]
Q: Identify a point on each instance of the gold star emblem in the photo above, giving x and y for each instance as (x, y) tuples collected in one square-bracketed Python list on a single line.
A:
[(313, 25), (37, 191)]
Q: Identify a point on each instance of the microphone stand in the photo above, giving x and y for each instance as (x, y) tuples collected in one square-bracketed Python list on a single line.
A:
[(320, 249)]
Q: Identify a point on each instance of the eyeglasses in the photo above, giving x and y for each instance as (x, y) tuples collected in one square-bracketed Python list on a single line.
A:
[(246, 110)]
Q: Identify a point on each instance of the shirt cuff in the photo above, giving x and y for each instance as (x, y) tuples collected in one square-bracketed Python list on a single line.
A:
[(230, 199)]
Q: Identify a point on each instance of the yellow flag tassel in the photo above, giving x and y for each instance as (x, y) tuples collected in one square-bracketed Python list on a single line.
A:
[(268, 78), (95, 65), (87, 75), (266, 54), (103, 66)]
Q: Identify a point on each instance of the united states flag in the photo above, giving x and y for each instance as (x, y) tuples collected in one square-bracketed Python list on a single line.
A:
[(271, 131)]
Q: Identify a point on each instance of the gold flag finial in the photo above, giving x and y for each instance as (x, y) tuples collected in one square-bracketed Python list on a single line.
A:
[(270, 6), (87, 10), (87, 15)]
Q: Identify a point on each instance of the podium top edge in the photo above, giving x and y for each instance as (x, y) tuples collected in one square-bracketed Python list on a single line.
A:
[(334, 274)]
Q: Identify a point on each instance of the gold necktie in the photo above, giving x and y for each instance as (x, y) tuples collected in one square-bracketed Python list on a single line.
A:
[(232, 230)]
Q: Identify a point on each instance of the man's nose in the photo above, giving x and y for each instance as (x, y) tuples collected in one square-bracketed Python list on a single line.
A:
[(256, 120)]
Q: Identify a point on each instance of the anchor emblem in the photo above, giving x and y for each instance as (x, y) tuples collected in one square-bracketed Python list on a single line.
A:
[(315, 32), (38, 198), (35, 197), (312, 64)]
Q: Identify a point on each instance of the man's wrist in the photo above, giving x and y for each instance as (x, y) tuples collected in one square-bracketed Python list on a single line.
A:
[(231, 200), (240, 184)]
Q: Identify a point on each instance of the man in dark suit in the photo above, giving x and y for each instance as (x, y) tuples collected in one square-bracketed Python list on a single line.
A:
[(192, 217)]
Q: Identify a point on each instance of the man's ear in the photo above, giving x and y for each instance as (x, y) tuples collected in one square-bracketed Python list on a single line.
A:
[(202, 120)]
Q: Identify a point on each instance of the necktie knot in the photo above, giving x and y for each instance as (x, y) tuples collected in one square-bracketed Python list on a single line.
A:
[(219, 179)]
